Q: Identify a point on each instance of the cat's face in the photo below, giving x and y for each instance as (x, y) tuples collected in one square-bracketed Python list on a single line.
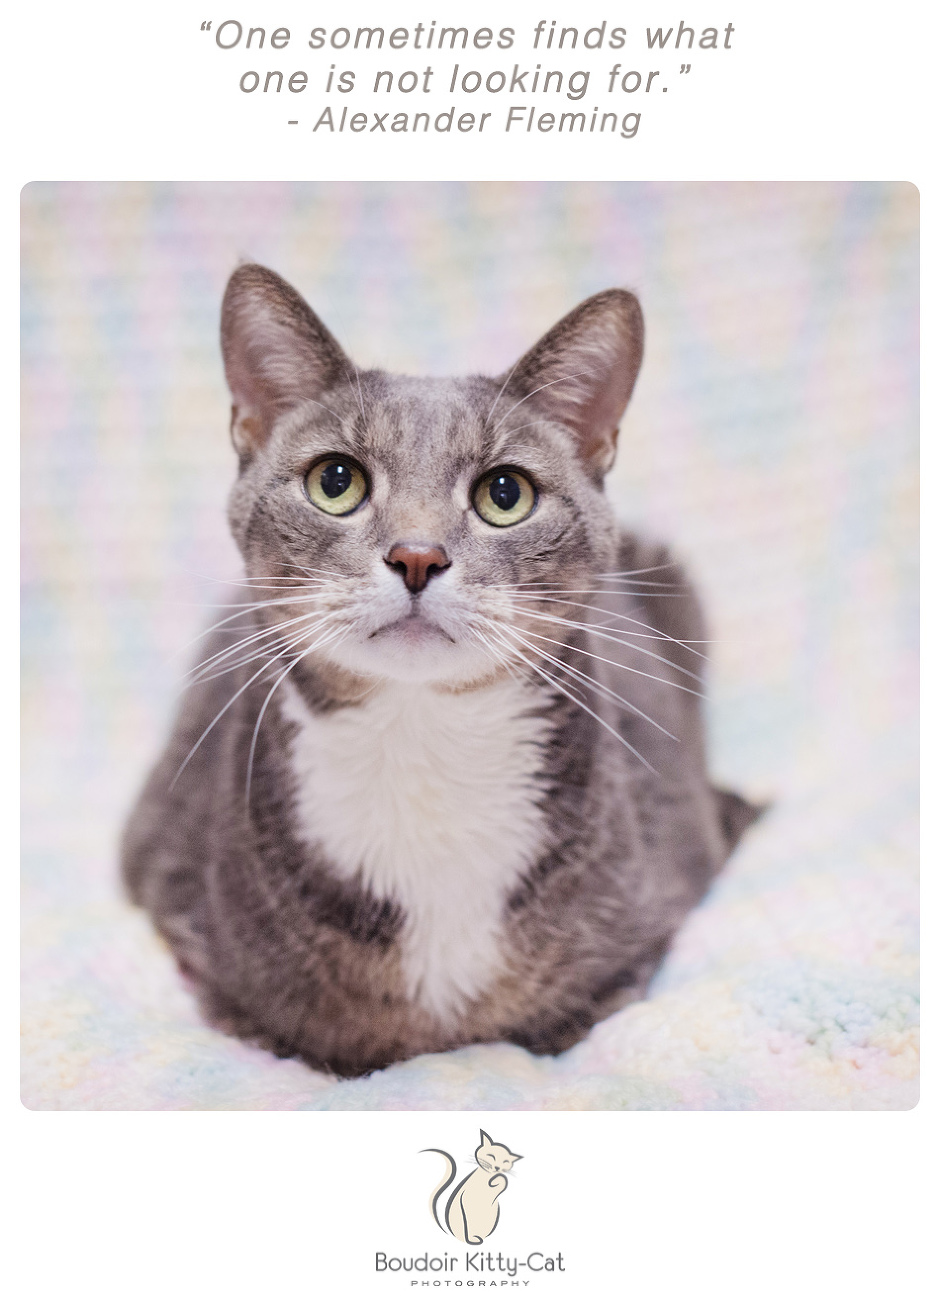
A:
[(494, 1158), (417, 525)]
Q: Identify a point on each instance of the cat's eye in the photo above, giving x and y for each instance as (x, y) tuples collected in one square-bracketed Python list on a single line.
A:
[(504, 497), (336, 485)]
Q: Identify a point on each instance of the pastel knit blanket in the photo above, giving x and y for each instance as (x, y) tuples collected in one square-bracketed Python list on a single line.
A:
[(772, 440)]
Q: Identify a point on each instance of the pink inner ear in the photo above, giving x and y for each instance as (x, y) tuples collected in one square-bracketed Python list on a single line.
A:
[(596, 419), (583, 371), (277, 352), (247, 429)]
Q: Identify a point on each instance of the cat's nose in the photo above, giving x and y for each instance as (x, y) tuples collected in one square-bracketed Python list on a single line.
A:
[(417, 563)]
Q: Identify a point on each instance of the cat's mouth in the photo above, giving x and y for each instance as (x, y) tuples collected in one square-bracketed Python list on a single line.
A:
[(415, 629), (416, 645)]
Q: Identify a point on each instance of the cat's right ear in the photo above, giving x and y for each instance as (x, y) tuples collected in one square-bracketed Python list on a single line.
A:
[(583, 371), (277, 353)]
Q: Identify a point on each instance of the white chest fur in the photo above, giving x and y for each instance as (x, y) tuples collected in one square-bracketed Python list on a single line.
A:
[(432, 800)]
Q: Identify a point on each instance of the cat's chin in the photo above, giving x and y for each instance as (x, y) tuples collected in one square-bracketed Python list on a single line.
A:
[(416, 651)]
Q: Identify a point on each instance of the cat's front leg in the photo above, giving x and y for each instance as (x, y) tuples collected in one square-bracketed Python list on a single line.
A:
[(500, 1183)]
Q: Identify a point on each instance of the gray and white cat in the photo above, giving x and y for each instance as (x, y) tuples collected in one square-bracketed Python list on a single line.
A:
[(440, 778)]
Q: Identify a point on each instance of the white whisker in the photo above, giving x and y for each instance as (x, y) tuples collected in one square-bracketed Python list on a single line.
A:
[(603, 634), (539, 421), (533, 589), (264, 633), (243, 610), (218, 717), (325, 408), (579, 702), (634, 671), (625, 616), (346, 576), (362, 406), (640, 571), (331, 634), (558, 381), (276, 646), (500, 658), (509, 376), (591, 682)]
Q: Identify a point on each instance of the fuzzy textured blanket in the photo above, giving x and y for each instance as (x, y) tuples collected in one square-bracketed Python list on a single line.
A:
[(772, 440)]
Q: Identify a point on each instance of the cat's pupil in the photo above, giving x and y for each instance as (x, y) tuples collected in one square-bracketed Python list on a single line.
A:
[(335, 480), (504, 491)]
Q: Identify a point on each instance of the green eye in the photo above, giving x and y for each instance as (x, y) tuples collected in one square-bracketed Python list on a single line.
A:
[(504, 497), (336, 486)]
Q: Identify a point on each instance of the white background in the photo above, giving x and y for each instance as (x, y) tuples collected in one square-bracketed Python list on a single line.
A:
[(647, 1207)]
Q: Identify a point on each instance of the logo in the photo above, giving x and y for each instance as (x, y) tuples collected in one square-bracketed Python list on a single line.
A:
[(471, 1212), (468, 1209)]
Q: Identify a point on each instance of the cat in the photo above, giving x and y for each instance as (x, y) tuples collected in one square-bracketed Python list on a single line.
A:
[(450, 787), (472, 1210)]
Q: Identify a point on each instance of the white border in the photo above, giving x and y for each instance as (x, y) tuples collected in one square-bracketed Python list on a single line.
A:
[(819, 1207)]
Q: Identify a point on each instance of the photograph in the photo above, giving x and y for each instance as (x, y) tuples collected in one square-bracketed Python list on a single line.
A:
[(470, 648)]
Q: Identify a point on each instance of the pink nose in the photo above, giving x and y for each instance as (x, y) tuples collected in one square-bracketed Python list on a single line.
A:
[(417, 563)]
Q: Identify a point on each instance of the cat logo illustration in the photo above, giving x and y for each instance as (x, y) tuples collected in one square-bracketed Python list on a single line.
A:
[(472, 1210)]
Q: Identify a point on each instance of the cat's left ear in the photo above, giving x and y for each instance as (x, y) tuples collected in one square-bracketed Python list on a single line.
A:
[(485, 1140), (583, 372)]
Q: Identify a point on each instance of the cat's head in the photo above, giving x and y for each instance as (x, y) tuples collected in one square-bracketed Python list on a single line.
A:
[(494, 1158), (417, 523)]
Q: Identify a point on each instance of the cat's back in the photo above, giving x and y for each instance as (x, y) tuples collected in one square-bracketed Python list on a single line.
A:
[(655, 657), (171, 833), (649, 628), (648, 822)]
